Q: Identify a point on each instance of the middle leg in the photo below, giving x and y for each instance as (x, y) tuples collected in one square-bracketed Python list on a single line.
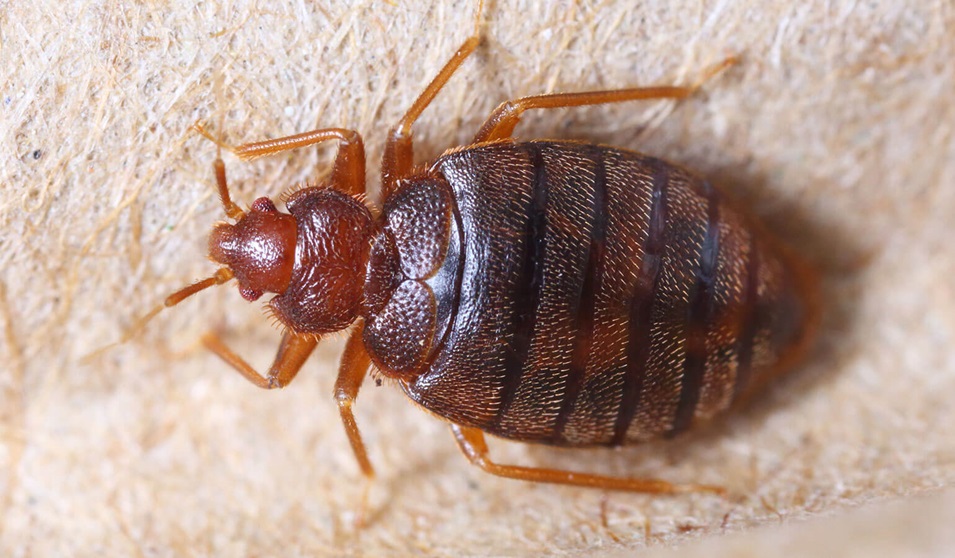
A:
[(398, 159), (351, 373)]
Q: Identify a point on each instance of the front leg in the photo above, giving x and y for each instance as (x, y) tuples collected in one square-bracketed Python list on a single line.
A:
[(348, 173), (292, 354)]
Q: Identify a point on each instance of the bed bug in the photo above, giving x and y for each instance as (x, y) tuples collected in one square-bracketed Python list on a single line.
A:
[(553, 292)]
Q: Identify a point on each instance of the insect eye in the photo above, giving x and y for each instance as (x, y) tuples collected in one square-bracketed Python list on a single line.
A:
[(250, 294), (264, 204)]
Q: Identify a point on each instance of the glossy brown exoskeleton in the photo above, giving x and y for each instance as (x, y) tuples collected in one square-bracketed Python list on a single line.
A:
[(548, 291)]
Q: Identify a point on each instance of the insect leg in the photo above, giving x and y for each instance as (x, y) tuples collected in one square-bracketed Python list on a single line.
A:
[(500, 124), (292, 354), (472, 444), (348, 174), (398, 158), (351, 372)]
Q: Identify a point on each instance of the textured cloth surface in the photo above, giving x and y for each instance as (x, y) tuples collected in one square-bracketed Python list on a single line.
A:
[(837, 129)]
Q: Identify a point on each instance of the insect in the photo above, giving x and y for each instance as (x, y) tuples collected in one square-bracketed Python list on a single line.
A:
[(554, 292)]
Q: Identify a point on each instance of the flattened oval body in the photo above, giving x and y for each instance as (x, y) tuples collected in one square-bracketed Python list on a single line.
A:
[(582, 295)]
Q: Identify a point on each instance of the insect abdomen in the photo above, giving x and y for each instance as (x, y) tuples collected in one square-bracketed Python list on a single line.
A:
[(605, 297)]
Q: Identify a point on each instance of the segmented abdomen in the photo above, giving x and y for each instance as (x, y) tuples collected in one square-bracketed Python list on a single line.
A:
[(606, 297)]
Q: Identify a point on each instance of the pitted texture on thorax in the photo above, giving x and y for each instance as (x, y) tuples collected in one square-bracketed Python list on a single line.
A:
[(410, 280), (325, 292)]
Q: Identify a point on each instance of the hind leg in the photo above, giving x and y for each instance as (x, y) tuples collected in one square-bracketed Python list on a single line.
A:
[(501, 123), (472, 444)]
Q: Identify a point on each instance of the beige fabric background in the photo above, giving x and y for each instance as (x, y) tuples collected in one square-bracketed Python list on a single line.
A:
[(837, 129)]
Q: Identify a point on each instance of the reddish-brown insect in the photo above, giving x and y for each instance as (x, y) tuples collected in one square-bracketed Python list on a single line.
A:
[(555, 292)]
